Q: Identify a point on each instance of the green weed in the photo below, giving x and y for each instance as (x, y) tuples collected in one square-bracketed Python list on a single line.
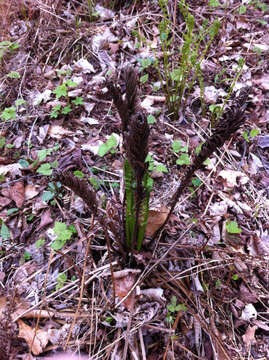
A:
[(63, 233), (172, 309), (180, 68), (7, 47)]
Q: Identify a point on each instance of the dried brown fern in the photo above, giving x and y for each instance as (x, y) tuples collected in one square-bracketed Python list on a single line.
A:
[(226, 127), (135, 133)]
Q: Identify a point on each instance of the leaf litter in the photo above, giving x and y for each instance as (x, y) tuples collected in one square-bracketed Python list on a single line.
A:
[(216, 242)]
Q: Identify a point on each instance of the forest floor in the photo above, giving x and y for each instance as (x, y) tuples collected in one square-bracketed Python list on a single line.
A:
[(201, 289)]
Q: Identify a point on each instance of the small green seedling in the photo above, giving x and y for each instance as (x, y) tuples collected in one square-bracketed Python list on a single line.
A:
[(214, 3), (173, 308), (79, 174), (196, 183), (78, 101), (145, 63), (61, 279), (6, 47), (13, 75), (109, 146), (55, 111), (42, 154), (52, 191), (5, 232), (218, 284), (62, 91), (96, 183), (183, 159), (261, 5), (47, 168), (12, 211), (232, 227), (24, 163), (154, 166), (242, 9), (19, 102), (30, 218), (66, 110), (144, 78), (39, 243), (27, 256), (177, 147), (2, 141), (63, 233), (151, 119), (253, 133), (9, 113)]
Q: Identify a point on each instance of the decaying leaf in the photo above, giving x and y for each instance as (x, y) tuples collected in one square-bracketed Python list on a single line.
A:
[(17, 193), (58, 132), (249, 336), (36, 340), (124, 281), (249, 312), (31, 191), (155, 220), (233, 178), (12, 169)]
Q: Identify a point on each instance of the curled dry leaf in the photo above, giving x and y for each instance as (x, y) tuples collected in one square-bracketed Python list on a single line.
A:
[(31, 191), (154, 294), (218, 208), (36, 340), (21, 307), (249, 336), (263, 81), (57, 132), (12, 169), (84, 65), (4, 201), (124, 281), (16, 193), (46, 219), (233, 178), (156, 219), (249, 312)]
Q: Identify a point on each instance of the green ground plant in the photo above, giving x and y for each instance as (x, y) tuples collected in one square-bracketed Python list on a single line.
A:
[(7, 47), (172, 309), (181, 67), (63, 233), (10, 113)]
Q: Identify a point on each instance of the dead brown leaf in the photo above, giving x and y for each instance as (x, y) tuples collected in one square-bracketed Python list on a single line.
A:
[(57, 132), (124, 281), (249, 336), (31, 191), (46, 219), (233, 178), (16, 193), (4, 201), (36, 340), (155, 220)]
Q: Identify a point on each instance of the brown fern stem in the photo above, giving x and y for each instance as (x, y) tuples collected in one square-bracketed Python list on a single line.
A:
[(231, 122)]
